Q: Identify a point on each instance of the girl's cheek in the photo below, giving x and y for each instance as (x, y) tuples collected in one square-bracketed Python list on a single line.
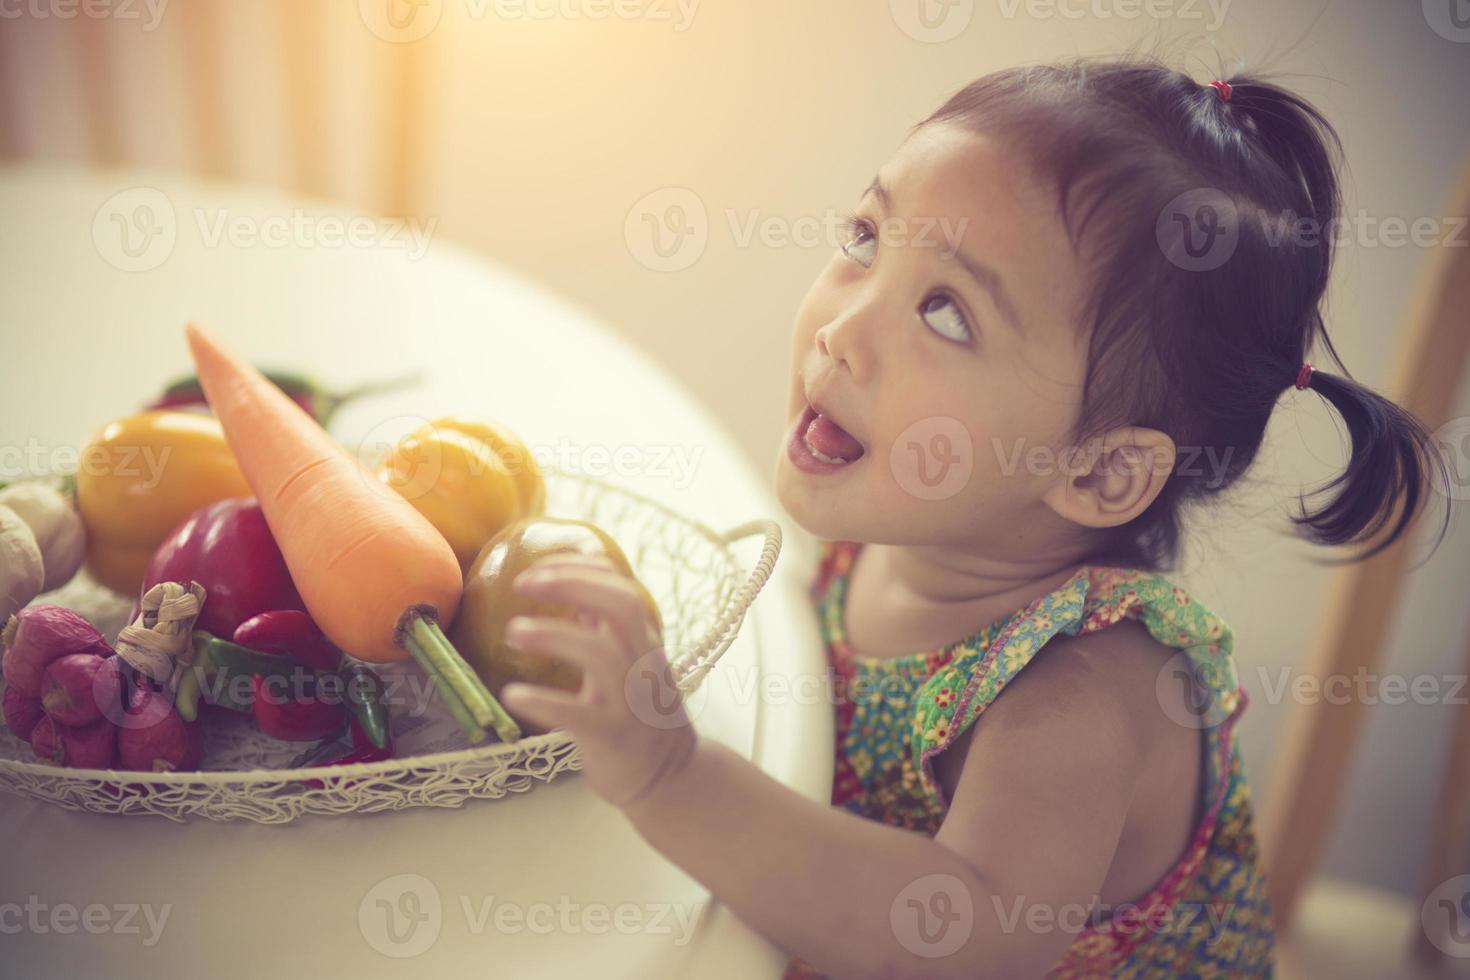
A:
[(819, 302), (963, 451), (926, 460)]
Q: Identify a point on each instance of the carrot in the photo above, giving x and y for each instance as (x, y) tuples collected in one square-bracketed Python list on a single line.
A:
[(379, 580)]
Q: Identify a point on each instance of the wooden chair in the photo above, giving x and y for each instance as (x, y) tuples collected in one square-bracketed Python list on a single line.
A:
[(1307, 783), (1449, 847)]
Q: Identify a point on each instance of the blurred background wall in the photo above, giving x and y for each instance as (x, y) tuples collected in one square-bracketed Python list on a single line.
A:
[(671, 167)]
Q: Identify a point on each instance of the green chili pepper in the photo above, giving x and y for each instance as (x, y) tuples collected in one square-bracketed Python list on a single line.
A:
[(186, 699), (232, 657), (367, 699), (231, 667)]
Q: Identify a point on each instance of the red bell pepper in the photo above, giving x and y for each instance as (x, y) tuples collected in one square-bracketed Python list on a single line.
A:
[(291, 633), (227, 548)]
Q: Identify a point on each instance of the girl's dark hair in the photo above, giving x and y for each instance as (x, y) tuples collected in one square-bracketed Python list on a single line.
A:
[(1207, 228)]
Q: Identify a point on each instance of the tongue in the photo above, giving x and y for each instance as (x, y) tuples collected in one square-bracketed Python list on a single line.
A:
[(830, 439)]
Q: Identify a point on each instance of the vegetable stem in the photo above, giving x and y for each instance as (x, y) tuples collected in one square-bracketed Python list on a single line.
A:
[(330, 401), (473, 731), (427, 642)]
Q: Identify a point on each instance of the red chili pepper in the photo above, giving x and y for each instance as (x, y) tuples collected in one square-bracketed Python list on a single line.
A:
[(227, 548), (281, 715), (362, 751), (291, 633), (370, 754)]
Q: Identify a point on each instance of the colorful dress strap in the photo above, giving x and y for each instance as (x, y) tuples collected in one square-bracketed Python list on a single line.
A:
[(1092, 599)]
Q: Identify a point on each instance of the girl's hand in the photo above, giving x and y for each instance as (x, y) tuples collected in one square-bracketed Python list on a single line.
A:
[(628, 717)]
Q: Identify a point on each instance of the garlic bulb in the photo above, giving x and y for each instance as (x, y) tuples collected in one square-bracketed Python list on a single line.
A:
[(21, 571), (56, 525)]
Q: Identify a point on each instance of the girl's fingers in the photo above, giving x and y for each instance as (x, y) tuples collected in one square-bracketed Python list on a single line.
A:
[(544, 706), (572, 642), (570, 559), (612, 596)]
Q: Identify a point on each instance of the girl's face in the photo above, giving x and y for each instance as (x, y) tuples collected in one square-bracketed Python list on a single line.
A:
[(937, 363)]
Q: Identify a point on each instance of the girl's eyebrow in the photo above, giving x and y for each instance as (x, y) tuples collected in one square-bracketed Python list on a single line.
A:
[(989, 280), (879, 190), (985, 277)]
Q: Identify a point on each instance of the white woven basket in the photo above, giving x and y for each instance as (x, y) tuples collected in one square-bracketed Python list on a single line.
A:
[(702, 592)]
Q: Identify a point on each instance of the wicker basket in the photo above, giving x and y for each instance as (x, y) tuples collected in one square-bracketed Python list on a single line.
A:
[(702, 592)]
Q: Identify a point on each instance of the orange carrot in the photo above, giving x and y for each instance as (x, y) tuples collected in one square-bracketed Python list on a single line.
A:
[(376, 576)]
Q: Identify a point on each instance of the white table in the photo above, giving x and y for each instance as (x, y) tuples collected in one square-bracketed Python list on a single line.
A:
[(85, 341)]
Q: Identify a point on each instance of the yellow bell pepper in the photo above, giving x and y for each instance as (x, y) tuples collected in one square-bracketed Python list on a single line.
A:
[(530, 483), (470, 480), (139, 478)]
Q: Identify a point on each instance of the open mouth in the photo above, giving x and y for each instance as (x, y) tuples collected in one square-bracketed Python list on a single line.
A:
[(818, 444)]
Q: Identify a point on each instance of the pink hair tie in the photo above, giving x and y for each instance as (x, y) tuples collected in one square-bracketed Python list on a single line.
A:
[(1223, 88), (1304, 376)]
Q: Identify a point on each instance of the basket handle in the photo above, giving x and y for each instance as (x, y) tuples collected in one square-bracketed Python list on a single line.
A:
[(698, 662)]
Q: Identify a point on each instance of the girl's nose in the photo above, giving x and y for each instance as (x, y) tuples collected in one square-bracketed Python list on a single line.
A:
[(845, 340)]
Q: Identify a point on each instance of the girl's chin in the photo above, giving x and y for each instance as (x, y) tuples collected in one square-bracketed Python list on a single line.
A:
[(817, 505)]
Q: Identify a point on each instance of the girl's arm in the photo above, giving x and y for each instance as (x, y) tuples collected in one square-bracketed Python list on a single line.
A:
[(1035, 819)]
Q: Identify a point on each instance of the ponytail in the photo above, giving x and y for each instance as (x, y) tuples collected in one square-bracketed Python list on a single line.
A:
[(1393, 466)]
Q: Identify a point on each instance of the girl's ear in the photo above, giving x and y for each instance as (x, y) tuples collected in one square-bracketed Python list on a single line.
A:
[(1114, 479)]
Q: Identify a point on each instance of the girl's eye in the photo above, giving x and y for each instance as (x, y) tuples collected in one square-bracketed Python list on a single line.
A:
[(944, 317), (861, 245)]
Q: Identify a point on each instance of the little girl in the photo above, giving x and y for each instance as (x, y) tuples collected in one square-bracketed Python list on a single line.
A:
[(1036, 766)]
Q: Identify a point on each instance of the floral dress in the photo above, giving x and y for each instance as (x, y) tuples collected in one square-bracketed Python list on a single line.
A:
[(1208, 916)]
